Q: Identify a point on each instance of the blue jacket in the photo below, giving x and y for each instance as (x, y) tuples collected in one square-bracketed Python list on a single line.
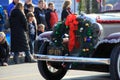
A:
[(2, 15), (10, 7)]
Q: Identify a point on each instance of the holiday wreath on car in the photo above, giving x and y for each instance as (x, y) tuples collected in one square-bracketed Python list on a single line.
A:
[(83, 35)]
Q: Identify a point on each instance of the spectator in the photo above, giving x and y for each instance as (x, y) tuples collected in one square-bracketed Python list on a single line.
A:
[(27, 2), (117, 5), (19, 38), (6, 21), (40, 13), (51, 16), (66, 9), (32, 31), (4, 50), (2, 18), (45, 6), (11, 6), (28, 6), (108, 7), (40, 29)]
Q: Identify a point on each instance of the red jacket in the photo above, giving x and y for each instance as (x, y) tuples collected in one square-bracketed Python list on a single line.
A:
[(53, 18)]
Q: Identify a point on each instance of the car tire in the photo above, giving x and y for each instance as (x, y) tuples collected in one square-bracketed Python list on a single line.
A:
[(43, 67), (47, 74), (115, 63)]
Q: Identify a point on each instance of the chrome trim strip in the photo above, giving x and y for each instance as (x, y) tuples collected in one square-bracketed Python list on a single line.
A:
[(71, 59)]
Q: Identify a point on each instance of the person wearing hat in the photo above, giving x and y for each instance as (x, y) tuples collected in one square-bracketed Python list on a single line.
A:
[(4, 50)]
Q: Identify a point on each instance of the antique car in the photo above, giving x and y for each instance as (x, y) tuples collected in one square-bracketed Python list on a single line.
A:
[(82, 42)]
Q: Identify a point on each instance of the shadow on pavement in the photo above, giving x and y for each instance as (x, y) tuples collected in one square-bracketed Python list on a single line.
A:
[(96, 77)]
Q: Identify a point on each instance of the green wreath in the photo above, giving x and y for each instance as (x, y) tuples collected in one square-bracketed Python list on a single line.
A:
[(85, 35)]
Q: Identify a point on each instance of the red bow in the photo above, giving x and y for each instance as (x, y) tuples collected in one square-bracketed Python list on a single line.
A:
[(72, 23)]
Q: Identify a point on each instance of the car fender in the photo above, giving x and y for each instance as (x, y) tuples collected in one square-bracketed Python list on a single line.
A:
[(106, 45), (112, 38), (45, 35)]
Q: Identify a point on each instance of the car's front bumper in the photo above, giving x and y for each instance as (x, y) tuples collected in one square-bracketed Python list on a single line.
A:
[(72, 59)]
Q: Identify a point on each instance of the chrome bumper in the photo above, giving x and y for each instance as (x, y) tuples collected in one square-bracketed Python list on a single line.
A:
[(71, 59)]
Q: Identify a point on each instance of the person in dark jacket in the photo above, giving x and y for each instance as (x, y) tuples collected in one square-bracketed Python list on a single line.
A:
[(40, 13), (4, 50), (28, 6), (51, 16), (19, 37), (66, 9), (27, 2), (32, 31)]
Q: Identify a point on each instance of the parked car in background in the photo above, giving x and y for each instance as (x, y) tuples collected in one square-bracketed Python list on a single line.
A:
[(82, 42)]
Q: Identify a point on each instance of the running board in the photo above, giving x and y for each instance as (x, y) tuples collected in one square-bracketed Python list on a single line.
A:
[(71, 59)]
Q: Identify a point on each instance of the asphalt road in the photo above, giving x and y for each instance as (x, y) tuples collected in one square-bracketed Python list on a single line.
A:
[(29, 71)]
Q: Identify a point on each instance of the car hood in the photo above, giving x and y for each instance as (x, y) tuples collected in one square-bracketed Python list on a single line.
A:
[(104, 16)]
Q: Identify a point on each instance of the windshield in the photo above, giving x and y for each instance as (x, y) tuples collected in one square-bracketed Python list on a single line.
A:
[(110, 5)]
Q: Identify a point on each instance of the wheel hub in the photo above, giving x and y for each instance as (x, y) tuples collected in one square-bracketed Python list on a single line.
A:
[(118, 66), (52, 69)]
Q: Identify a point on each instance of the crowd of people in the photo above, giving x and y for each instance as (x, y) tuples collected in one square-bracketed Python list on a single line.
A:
[(26, 22)]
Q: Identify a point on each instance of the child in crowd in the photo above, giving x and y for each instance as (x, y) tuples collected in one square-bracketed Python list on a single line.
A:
[(4, 50), (41, 29), (51, 16), (31, 30)]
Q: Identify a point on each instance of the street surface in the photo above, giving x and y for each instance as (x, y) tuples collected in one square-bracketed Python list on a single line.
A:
[(29, 71)]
